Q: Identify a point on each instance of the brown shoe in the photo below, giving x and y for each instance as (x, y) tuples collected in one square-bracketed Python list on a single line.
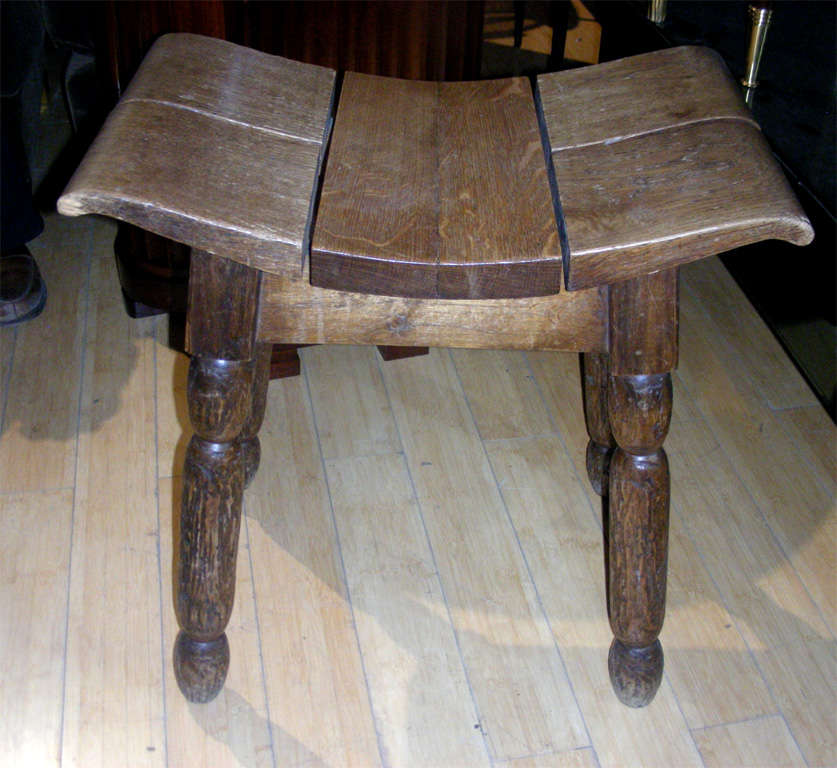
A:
[(22, 291)]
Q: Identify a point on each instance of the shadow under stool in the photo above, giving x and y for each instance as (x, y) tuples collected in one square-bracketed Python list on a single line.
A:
[(506, 214)]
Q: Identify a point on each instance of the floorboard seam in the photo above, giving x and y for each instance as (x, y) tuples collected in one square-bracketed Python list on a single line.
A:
[(744, 721), (521, 549), (7, 381), (258, 633), (155, 398), (336, 534), (82, 366), (442, 591)]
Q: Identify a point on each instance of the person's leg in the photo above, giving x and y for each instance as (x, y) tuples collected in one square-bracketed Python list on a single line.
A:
[(22, 291)]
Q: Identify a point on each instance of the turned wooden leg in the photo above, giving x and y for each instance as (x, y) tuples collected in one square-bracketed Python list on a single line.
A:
[(284, 360), (225, 372), (595, 373), (399, 353), (639, 408), (643, 317), (250, 446), (213, 483)]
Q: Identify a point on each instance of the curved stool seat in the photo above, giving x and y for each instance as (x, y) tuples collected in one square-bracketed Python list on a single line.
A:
[(436, 190), (658, 163), (378, 211), (440, 191), (213, 145)]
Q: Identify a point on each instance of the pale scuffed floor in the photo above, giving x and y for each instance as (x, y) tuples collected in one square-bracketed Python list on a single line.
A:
[(420, 576)]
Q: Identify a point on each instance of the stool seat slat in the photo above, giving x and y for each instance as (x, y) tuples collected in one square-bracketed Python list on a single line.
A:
[(658, 162), (436, 190), (215, 146), (663, 199), (249, 201), (236, 83), (637, 95)]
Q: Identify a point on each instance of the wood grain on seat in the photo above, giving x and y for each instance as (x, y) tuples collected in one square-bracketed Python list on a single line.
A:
[(655, 201), (436, 190), (213, 145), (637, 95), (658, 163), (239, 84)]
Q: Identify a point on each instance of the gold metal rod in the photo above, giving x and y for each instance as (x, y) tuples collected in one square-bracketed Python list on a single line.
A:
[(759, 21), (657, 11)]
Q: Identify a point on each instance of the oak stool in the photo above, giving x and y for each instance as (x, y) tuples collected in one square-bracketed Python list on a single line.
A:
[(492, 214)]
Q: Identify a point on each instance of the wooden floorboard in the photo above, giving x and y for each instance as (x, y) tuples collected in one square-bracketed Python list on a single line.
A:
[(766, 743), (420, 577), (797, 507), (405, 634), (523, 696), (34, 571), (38, 450), (781, 625), (114, 666), (316, 687)]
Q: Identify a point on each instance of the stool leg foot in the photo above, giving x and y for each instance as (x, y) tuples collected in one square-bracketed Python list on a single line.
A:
[(594, 381), (201, 668), (639, 408), (635, 673)]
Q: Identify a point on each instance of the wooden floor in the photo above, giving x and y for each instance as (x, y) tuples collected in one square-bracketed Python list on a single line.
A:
[(420, 576)]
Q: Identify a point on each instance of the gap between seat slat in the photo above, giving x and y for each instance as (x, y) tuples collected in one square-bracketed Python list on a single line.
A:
[(552, 179)]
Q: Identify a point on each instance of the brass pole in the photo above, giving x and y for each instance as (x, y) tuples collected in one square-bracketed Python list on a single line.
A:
[(657, 11), (760, 15)]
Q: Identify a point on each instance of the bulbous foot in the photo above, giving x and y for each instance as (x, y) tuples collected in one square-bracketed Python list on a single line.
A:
[(635, 673), (201, 667)]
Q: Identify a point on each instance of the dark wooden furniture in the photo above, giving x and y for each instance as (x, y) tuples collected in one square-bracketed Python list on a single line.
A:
[(414, 39), (444, 216)]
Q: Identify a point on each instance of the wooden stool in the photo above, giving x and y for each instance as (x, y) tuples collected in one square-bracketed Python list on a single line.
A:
[(447, 215)]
